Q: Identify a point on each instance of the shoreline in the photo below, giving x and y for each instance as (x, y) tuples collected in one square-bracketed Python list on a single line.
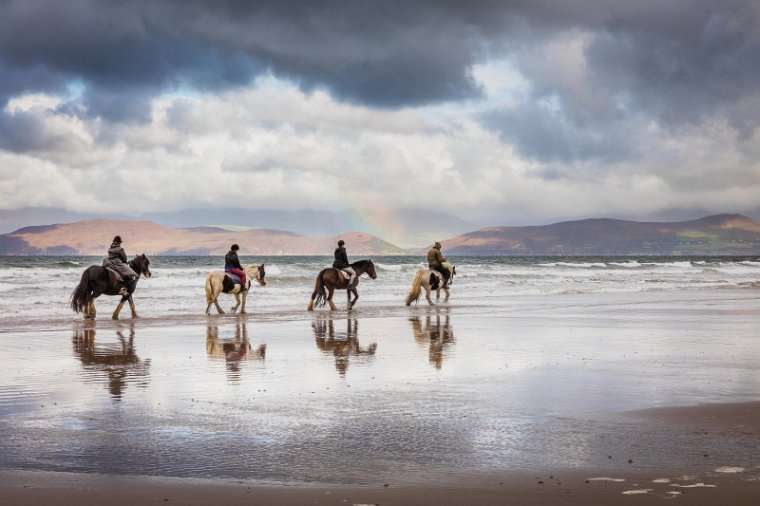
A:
[(563, 486), (624, 399)]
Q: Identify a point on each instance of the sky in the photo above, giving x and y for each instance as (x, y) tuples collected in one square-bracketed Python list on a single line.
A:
[(500, 112)]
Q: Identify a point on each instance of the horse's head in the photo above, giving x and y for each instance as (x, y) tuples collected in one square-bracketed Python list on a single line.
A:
[(256, 272), (370, 269), (141, 265)]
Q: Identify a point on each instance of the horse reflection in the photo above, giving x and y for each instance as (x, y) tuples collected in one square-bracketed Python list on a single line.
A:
[(118, 360), (340, 344), (233, 349), (437, 334)]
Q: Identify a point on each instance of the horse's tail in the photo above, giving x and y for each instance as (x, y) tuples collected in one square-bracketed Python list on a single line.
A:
[(319, 295), (82, 294), (414, 293), (209, 290)]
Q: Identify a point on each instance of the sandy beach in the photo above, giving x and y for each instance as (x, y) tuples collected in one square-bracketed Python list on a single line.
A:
[(619, 399)]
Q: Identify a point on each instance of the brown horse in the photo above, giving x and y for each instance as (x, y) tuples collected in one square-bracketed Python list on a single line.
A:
[(97, 281), (329, 280)]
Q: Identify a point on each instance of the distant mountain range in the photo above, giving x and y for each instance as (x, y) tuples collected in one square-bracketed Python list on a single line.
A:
[(93, 237), (406, 227), (726, 234)]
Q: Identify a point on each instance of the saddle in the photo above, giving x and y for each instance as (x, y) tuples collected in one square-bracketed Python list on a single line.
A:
[(115, 276), (229, 282), (235, 278)]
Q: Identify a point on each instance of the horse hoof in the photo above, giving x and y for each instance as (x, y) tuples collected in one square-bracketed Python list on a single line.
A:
[(114, 317)]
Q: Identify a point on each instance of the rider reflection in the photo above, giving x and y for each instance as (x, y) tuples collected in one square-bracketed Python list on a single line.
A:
[(341, 345), (233, 349), (118, 360), (437, 334)]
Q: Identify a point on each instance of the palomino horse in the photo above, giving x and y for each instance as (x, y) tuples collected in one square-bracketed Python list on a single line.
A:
[(430, 279), (218, 282), (97, 281), (333, 279)]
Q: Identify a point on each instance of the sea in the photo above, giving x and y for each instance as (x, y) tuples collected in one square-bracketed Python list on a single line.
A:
[(40, 286)]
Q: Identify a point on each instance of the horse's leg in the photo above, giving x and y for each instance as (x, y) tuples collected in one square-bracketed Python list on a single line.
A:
[(427, 295), (356, 297), (216, 303), (233, 309), (133, 308), (244, 297), (447, 294), (89, 312), (116, 312), (330, 292)]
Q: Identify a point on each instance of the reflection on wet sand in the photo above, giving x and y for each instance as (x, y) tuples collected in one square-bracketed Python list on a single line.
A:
[(340, 344), (234, 349), (118, 360), (437, 334)]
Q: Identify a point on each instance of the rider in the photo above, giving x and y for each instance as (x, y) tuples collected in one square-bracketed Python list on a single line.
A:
[(232, 265), (341, 262), (117, 260), (435, 261)]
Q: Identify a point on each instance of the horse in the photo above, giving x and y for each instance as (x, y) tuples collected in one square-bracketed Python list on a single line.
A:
[(97, 281), (430, 279), (218, 282), (333, 279)]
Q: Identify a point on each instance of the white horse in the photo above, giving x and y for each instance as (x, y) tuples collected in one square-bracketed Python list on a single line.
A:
[(430, 279), (218, 282)]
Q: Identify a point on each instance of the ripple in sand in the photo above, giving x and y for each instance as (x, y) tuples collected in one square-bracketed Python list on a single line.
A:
[(637, 491), (729, 469)]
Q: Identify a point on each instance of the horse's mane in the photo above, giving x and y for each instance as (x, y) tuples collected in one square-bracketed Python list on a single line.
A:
[(361, 263)]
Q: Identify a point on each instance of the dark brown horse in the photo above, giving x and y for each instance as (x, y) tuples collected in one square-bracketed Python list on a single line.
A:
[(329, 280), (97, 281)]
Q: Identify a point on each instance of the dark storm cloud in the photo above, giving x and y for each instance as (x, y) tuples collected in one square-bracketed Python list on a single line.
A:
[(380, 53), (678, 62)]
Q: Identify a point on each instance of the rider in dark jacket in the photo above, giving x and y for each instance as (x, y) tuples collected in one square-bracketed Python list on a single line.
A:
[(117, 261), (435, 262), (232, 265), (341, 262)]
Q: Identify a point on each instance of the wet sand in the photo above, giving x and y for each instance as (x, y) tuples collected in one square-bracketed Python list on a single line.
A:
[(626, 399)]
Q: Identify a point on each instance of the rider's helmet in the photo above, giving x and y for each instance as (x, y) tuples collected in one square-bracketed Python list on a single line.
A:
[(117, 239), (234, 247), (341, 242)]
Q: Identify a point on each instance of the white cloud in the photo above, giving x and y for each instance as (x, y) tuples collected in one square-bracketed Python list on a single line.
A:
[(274, 146)]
